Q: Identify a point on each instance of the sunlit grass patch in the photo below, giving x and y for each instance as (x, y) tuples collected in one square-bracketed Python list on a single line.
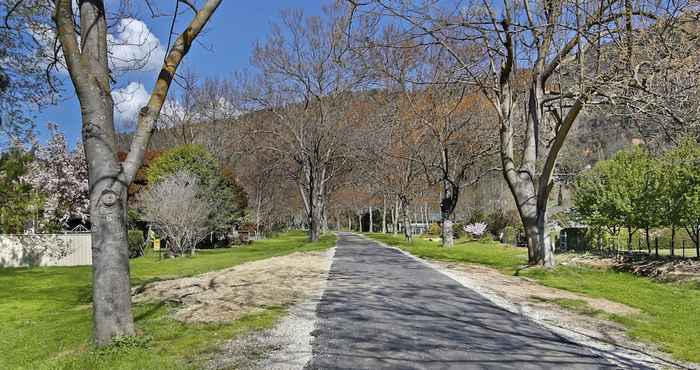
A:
[(47, 318)]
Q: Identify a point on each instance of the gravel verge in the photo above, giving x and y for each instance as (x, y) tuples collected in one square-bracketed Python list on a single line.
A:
[(287, 345)]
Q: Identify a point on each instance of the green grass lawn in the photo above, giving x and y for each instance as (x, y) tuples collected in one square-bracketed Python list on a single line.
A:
[(494, 254), (670, 312), (46, 313)]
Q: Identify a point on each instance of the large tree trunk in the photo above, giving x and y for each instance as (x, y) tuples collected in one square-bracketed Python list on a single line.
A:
[(311, 194), (324, 218), (540, 246), (531, 181), (673, 240), (110, 253), (447, 232), (86, 60), (315, 224), (450, 196)]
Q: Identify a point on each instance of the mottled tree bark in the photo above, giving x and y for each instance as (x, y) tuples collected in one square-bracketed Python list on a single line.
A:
[(86, 60), (450, 197)]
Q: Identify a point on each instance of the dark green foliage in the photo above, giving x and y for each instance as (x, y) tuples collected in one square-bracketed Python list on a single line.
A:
[(457, 230), (135, 240), (511, 234), (219, 181), (193, 158), (19, 203), (634, 191), (622, 192), (498, 220), (476, 216)]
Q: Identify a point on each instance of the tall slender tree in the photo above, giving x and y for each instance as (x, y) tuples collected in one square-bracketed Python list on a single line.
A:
[(84, 47)]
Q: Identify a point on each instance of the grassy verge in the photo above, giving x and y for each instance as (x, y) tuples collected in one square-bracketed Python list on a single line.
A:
[(494, 254), (669, 315), (46, 313)]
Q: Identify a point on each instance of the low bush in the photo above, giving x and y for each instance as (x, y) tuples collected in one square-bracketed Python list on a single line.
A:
[(135, 240), (434, 229), (476, 216), (458, 230), (511, 234), (498, 220)]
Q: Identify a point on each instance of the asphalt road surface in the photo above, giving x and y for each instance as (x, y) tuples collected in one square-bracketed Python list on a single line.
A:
[(384, 310)]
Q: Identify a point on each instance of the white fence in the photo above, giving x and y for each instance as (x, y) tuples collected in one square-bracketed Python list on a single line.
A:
[(45, 250)]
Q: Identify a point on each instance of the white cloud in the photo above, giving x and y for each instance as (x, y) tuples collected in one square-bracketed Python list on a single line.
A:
[(133, 46), (128, 101)]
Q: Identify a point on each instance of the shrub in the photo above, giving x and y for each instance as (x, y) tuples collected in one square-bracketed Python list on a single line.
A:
[(434, 229), (476, 216), (498, 220), (457, 230), (135, 240), (477, 230), (510, 234)]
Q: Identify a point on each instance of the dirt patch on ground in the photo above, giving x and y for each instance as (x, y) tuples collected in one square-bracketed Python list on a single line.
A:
[(226, 295), (287, 346), (525, 290)]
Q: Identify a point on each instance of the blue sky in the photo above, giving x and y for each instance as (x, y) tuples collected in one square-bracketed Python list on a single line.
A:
[(229, 35)]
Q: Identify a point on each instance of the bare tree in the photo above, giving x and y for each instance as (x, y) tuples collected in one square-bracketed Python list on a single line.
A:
[(266, 184), (460, 144), (657, 84), (179, 209), (539, 64), (406, 138), (84, 48), (199, 105), (305, 90)]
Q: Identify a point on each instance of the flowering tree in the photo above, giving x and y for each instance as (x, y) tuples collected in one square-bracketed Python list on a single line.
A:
[(477, 230), (61, 175)]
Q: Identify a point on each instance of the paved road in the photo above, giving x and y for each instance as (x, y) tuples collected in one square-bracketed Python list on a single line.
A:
[(384, 310)]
